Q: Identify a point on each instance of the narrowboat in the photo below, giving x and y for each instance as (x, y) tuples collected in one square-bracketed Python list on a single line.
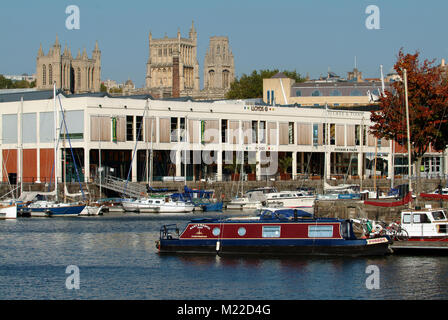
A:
[(271, 232)]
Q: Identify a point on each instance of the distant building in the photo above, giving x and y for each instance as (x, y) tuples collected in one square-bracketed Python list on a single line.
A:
[(330, 91), (76, 75), (22, 77), (172, 69), (219, 68)]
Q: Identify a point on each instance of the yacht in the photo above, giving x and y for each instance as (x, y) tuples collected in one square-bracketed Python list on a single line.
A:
[(158, 205), (252, 199), (291, 199)]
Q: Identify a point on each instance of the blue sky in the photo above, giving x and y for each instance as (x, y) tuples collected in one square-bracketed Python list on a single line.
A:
[(309, 36)]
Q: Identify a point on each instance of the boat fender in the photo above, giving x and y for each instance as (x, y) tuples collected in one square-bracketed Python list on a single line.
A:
[(158, 245), (218, 246), (378, 228)]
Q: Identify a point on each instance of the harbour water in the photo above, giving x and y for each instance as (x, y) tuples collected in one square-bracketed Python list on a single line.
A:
[(117, 259)]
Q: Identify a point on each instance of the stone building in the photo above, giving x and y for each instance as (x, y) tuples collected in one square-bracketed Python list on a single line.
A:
[(219, 68), (76, 75), (172, 68)]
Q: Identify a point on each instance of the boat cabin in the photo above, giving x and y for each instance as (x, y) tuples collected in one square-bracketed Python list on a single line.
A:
[(425, 224)]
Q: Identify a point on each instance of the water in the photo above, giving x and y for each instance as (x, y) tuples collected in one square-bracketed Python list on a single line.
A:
[(117, 259)]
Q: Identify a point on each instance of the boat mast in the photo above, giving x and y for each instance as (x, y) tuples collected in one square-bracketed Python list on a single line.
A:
[(21, 145), (185, 150), (405, 79), (55, 142), (100, 169)]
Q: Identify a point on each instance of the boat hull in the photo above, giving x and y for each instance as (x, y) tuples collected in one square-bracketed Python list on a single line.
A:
[(63, 211), (8, 212), (276, 247)]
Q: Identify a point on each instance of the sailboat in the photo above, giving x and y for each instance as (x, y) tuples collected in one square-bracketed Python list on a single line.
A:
[(45, 208)]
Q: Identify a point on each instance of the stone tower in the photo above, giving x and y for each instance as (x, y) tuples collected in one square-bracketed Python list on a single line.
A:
[(219, 68), (160, 66), (75, 75)]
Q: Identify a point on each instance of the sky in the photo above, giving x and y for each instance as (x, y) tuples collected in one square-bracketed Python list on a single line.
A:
[(309, 36)]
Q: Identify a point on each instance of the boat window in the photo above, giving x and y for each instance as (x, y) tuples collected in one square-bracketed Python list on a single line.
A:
[(284, 195), (320, 231), (421, 218), (407, 218), (271, 232), (216, 231), (241, 231), (438, 215)]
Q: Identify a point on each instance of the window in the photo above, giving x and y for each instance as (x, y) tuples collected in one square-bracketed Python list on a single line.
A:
[(224, 124), (421, 218), (216, 231), (332, 134), (271, 232), (291, 133), (262, 131), (320, 231), (268, 94), (242, 231), (406, 218), (335, 92), (298, 93), (139, 123), (44, 75), (316, 93), (356, 92), (182, 129), (357, 134), (50, 74), (254, 131), (129, 128), (315, 134), (173, 129), (438, 215)]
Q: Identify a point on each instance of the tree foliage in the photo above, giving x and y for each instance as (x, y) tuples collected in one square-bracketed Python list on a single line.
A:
[(251, 86), (428, 102)]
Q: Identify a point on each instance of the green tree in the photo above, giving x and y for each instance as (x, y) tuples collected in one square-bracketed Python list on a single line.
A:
[(103, 88), (251, 86)]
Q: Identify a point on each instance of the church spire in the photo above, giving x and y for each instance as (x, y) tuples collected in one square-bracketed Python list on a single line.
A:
[(40, 53)]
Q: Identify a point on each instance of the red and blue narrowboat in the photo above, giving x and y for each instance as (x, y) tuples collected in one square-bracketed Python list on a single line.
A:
[(271, 232)]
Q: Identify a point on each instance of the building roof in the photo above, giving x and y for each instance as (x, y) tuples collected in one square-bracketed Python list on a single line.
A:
[(48, 94)]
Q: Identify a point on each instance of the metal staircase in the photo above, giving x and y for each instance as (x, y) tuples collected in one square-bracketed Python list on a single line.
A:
[(129, 189)]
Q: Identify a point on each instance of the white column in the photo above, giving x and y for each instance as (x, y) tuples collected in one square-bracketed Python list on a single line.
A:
[(134, 166), (294, 165), (178, 163), (328, 164), (219, 164), (86, 165), (360, 166)]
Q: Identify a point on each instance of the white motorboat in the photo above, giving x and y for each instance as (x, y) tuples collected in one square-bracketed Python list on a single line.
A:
[(252, 199), (425, 224), (8, 212), (291, 199), (158, 205)]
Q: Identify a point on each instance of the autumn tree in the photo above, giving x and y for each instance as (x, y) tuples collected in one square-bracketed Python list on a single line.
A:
[(428, 102)]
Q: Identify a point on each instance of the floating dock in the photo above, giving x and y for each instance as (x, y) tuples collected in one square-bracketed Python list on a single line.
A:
[(420, 247)]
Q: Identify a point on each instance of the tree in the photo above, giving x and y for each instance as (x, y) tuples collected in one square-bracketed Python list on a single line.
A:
[(428, 102), (251, 86)]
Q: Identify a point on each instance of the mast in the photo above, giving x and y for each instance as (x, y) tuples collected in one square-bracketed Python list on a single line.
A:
[(185, 152), (100, 169), (405, 79), (55, 143), (21, 145)]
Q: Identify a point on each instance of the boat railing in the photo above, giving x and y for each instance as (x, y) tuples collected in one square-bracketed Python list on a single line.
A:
[(169, 232)]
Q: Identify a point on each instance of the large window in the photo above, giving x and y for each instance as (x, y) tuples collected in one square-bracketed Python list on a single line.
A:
[(271, 232), (332, 134), (315, 134), (173, 129), (139, 123), (224, 125), (320, 231), (291, 133), (262, 132), (129, 128), (298, 93), (356, 92), (316, 93), (254, 131)]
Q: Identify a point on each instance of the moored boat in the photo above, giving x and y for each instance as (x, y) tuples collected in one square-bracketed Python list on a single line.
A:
[(8, 212), (291, 199), (272, 232), (53, 209), (158, 205), (425, 225)]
